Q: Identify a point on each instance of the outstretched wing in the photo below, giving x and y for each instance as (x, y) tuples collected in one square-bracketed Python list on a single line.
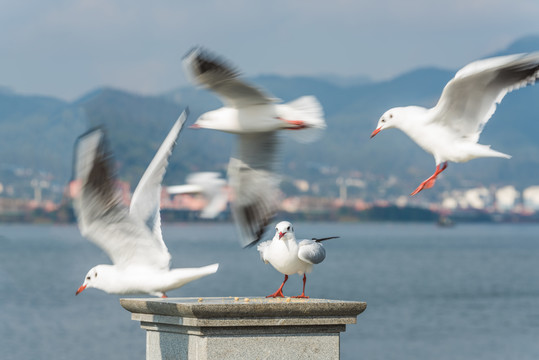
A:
[(102, 217), (216, 75), (470, 98), (146, 200)]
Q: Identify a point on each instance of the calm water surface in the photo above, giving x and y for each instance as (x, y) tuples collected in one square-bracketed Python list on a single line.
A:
[(468, 292)]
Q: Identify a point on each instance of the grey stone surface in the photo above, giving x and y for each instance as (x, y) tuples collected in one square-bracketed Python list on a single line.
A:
[(243, 328)]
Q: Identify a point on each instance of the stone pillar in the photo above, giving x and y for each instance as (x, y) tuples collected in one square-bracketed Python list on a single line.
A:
[(242, 328)]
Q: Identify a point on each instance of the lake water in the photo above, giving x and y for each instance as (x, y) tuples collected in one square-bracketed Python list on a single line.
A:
[(467, 292)]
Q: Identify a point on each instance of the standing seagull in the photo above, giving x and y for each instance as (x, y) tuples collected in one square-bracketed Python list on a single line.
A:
[(256, 118), (451, 129), (288, 257), (131, 237)]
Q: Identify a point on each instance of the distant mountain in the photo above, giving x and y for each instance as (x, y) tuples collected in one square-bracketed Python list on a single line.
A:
[(39, 132)]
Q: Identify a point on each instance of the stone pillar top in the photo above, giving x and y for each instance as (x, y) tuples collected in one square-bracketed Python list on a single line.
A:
[(243, 307)]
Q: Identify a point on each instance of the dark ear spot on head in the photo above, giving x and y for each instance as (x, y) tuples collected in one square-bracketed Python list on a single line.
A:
[(390, 116), (95, 275)]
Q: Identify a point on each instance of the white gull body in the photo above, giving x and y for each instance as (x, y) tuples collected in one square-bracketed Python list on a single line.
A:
[(289, 257), (131, 237), (450, 130), (256, 118)]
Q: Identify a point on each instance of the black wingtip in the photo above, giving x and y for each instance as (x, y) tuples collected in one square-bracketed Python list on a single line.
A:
[(326, 238)]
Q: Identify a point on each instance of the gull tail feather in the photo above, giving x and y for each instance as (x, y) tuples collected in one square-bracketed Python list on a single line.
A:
[(186, 275), (307, 111), (486, 151)]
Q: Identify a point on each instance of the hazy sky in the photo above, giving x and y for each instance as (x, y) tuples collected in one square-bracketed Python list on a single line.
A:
[(66, 48)]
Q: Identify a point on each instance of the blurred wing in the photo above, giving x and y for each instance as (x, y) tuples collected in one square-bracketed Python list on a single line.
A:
[(311, 251), (470, 98), (254, 184), (145, 203), (101, 216), (213, 73)]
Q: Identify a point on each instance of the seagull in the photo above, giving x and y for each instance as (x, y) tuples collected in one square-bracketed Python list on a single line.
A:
[(211, 186), (131, 237), (288, 257), (255, 117), (450, 130)]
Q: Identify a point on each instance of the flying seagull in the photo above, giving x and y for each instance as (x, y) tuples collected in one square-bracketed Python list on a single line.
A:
[(450, 130), (255, 117), (131, 237), (211, 186), (288, 256)]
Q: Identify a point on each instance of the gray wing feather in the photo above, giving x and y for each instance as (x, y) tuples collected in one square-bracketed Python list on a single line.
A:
[(311, 251), (101, 216), (470, 98), (215, 74)]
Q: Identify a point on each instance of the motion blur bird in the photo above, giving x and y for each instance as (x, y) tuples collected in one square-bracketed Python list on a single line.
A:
[(289, 257), (211, 186), (450, 130), (256, 118), (131, 237)]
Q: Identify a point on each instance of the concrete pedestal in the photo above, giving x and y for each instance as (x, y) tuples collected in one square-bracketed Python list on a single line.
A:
[(242, 328)]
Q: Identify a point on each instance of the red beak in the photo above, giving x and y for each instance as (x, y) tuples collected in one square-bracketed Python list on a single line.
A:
[(80, 289), (281, 235), (194, 126), (376, 132)]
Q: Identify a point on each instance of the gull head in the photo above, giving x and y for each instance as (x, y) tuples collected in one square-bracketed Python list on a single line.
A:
[(387, 121), (94, 278), (220, 119), (284, 230)]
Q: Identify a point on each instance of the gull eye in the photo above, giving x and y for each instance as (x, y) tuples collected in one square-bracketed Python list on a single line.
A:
[(383, 120), (87, 278), (288, 228)]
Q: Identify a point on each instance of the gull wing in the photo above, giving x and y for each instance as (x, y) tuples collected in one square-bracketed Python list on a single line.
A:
[(216, 75), (254, 184), (145, 203), (102, 218), (470, 98), (311, 251)]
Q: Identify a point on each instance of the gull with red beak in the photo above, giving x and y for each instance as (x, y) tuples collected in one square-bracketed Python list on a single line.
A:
[(450, 130), (289, 257), (131, 237), (257, 119)]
